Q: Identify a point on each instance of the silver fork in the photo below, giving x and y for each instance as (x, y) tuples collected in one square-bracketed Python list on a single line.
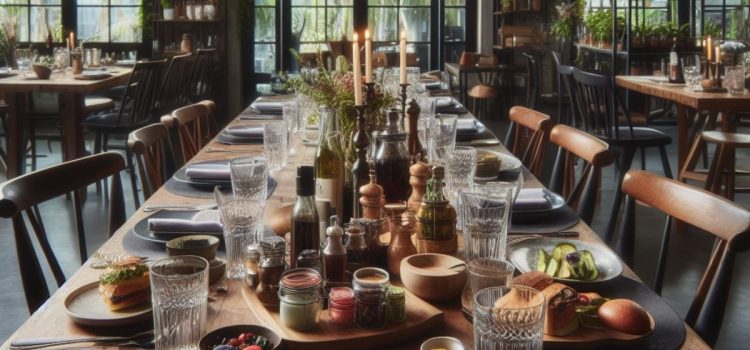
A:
[(158, 207), (210, 149)]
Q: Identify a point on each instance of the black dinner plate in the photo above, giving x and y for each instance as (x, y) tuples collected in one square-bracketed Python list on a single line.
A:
[(181, 176), (142, 231)]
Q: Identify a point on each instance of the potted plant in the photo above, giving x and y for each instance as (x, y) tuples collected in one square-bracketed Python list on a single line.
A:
[(167, 9)]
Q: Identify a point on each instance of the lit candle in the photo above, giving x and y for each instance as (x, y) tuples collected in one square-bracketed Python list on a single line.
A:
[(72, 40), (357, 71), (368, 57), (403, 57), (709, 48), (718, 54)]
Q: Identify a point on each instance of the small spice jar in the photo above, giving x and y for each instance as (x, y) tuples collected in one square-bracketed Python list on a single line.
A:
[(270, 269), (252, 259), (341, 307), (357, 251), (396, 310), (300, 297), (310, 259), (370, 286)]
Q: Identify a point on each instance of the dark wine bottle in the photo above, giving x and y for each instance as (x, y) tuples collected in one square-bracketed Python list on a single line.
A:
[(305, 222), (675, 70)]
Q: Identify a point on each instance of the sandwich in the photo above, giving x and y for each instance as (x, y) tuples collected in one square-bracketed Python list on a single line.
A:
[(125, 284), (561, 318)]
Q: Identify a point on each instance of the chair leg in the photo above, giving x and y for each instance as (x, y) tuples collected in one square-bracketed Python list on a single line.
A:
[(133, 179), (713, 180), (626, 159), (665, 162), (98, 149)]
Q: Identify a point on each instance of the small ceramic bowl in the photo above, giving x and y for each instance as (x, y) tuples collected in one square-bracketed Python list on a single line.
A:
[(218, 335), (447, 343), (42, 72), (204, 246), (434, 277)]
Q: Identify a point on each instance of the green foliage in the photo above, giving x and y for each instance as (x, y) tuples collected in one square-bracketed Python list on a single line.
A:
[(167, 4), (569, 15), (146, 17), (711, 28), (599, 22)]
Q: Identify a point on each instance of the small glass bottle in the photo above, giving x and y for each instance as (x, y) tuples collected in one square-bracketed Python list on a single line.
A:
[(396, 310), (357, 251), (252, 259), (270, 269), (300, 296), (305, 227), (341, 307), (370, 286), (334, 254), (393, 160), (310, 259)]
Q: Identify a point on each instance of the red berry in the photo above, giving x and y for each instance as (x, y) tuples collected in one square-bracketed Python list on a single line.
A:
[(234, 342), (246, 337), (583, 300), (252, 347)]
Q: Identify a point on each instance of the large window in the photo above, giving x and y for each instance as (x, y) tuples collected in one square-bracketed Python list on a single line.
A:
[(727, 19), (33, 19), (455, 29), (114, 21), (386, 19), (264, 40), (317, 23), (649, 12)]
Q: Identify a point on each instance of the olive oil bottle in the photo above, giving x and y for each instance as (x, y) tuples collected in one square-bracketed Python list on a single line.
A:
[(329, 170)]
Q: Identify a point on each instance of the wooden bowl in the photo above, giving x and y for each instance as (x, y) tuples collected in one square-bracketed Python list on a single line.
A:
[(204, 246), (218, 335), (434, 277), (42, 72)]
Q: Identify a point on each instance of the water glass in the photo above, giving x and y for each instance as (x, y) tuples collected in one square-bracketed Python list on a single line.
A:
[(250, 178), (291, 116), (461, 167), (275, 142), (660, 69), (515, 325), (691, 70), (412, 78), (443, 138), (485, 221), (486, 273), (734, 78), (424, 132), (23, 60), (242, 222), (179, 295), (392, 82)]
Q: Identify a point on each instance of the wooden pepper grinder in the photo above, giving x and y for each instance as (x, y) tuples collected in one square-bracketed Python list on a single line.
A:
[(373, 199), (415, 147), (402, 226), (420, 173)]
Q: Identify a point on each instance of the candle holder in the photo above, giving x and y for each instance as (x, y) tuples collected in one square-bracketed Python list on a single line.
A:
[(360, 168), (717, 74), (369, 92), (403, 97)]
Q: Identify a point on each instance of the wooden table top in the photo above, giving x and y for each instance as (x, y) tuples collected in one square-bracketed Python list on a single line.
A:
[(65, 82), (717, 101), (51, 320)]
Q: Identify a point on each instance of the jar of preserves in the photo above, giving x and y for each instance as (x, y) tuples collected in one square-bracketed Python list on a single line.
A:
[(436, 218), (341, 307), (396, 310), (270, 269), (370, 286), (300, 296)]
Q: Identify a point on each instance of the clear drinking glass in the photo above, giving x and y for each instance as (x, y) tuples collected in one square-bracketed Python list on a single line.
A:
[(242, 222), (496, 188), (391, 81), (485, 220), (691, 69), (424, 132), (179, 295), (23, 60), (660, 69), (412, 78), (275, 144), (734, 78), (443, 138), (485, 273), (291, 116), (462, 165), (514, 325), (250, 178)]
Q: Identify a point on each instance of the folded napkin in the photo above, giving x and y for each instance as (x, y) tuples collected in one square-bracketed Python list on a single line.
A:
[(182, 225), (250, 132), (211, 171), (445, 101), (268, 106), (467, 126), (532, 199)]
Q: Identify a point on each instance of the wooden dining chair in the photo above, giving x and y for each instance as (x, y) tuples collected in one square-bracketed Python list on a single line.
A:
[(188, 123), (596, 154), (21, 194), (175, 85), (527, 136), (154, 156), (485, 92), (722, 171), (727, 221), (603, 115), (211, 125)]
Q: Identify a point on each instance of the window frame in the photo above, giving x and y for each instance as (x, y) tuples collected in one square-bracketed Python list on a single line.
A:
[(721, 9), (28, 5), (109, 8)]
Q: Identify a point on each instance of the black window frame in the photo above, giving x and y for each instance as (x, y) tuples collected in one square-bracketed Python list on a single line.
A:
[(109, 6), (28, 5)]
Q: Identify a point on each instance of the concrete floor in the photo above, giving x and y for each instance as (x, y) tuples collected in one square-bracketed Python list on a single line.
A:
[(688, 253)]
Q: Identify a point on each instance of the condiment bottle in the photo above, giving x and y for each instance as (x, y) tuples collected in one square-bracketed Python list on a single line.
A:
[(420, 173), (402, 226), (341, 307), (357, 251), (436, 218), (252, 258), (334, 254), (396, 310), (416, 151), (392, 160), (370, 286), (310, 259), (305, 227), (270, 270), (300, 296)]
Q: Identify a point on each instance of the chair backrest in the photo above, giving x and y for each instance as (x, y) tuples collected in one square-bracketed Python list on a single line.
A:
[(533, 82), (176, 83), (727, 221), (141, 93), (565, 86), (154, 155), (189, 123), (598, 104), (203, 78), (596, 155), (211, 125), (23, 193), (528, 136)]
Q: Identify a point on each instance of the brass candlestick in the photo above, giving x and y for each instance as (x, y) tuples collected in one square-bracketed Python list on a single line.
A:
[(360, 168), (403, 97)]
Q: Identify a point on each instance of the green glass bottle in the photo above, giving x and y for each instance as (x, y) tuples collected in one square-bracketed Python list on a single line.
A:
[(329, 169)]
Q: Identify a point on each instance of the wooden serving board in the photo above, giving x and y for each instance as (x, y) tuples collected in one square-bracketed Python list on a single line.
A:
[(420, 317), (592, 338)]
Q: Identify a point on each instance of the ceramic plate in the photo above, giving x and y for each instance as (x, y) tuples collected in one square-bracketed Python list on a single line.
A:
[(508, 164), (141, 230), (85, 306), (181, 176), (524, 256)]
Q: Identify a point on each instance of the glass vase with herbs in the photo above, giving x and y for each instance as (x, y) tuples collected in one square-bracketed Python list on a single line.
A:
[(436, 218)]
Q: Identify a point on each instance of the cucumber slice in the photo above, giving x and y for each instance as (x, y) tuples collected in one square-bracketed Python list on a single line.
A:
[(542, 259), (563, 249), (588, 263), (552, 267), (565, 270)]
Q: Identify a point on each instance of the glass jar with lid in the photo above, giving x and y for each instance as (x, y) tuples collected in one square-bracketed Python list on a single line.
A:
[(300, 296), (341, 307), (370, 286), (357, 250), (310, 259), (270, 269), (396, 310)]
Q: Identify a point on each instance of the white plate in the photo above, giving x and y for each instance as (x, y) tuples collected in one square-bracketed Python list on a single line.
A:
[(524, 255), (85, 306), (507, 163)]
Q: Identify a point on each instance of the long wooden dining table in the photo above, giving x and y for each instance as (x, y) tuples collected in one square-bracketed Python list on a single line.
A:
[(230, 308), (72, 92)]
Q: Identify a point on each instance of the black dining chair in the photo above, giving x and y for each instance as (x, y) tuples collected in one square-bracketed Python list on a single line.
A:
[(603, 114), (727, 221), (175, 87), (136, 110), (202, 83), (22, 194), (533, 82), (566, 113)]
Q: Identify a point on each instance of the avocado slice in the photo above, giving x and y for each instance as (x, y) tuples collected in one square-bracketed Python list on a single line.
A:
[(542, 259), (552, 267), (565, 270), (562, 250)]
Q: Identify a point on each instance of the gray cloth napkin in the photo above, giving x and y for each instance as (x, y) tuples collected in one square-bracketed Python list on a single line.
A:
[(208, 172), (532, 199), (268, 106), (467, 126), (168, 225), (250, 132)]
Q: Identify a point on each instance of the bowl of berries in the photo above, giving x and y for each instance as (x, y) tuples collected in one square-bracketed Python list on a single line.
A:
[(241, 337)]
